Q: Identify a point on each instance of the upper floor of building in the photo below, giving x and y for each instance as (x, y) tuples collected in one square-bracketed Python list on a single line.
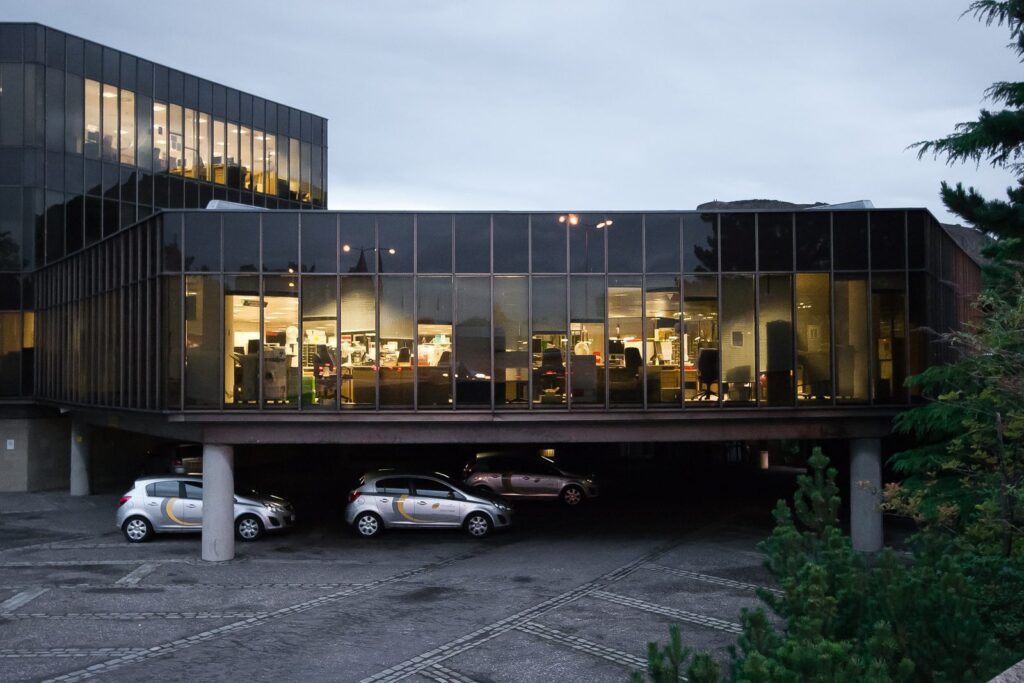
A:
[(93, 139)]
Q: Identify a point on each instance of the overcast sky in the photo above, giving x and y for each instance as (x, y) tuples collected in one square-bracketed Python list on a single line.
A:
[(592, 104)]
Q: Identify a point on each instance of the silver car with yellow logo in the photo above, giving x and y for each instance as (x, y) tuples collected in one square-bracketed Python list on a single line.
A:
[(388, 499), (175, 504)]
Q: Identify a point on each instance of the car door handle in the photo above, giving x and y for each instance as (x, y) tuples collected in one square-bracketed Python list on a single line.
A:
[(422, 502), (152, 504), (191, 505), (383, 500)]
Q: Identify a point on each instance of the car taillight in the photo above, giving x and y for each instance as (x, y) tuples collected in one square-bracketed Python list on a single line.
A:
[(124, 499), (352, 495)]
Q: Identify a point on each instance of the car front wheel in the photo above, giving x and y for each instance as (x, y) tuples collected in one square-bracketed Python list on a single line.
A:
[(137, 529), (368, 525), (572, 495), (478, 525), (249, 527)]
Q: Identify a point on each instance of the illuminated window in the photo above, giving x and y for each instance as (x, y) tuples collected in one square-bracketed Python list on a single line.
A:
[(176, 140), (159, 136), (127, 127), (111, 133), (92, 119)]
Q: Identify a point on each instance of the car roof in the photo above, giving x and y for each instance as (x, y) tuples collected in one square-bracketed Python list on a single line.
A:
[(168, 477), (382, 473)]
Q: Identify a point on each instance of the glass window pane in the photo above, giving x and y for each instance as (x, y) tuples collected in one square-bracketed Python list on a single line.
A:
[(661, 240), (241, 341), (176, 139), (280, 242), (10, 353), (92, 134), (547, 236), (75, 114), (625, 242), (473, 342), (775, 330), (625, 341), (395, 253), (775, 241), (219, 159), (172, 243), (319, 242), (304, 190), (511, 342), (202, 241), (434, 243), (663, 339), (191, 142), (701, 366), (434, 341), (12, 105), (396, 333), (127, 127), (160, 151), (587, 337), (511, 242), (110, 130), (700, 243), (851, 338), (55, 109), (233, 161), (357, 254), (204, 141), (813, 240), (258, 166), (319, 342), (10, 228), (850, 232), (586, 243), (472, 243), (202, 341), (737, 338), (357, 342), (170, 342), (241, 242), (245, 143), (813, 360), (280, 342), (917, 238), (549, 340), (888, 250), (737, 242), (293, 169), (270, 144), (888, 310)]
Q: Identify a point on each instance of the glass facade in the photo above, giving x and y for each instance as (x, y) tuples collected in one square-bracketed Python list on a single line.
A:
[(336, 311), (93, 140)]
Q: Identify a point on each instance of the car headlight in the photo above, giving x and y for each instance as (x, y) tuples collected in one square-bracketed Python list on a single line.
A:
[(274, 507)]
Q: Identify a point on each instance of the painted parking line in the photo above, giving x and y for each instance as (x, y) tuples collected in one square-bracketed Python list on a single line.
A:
[(89, 563), (133, 577), (191, 586), (130, 616), (717, 580), (681, 615), (443, 674), (164, 649), (583, 645), (482, 635), (69, 652), (14, 602)]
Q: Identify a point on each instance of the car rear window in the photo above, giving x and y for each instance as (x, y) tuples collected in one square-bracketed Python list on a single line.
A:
[(395, 486), (163, 489)]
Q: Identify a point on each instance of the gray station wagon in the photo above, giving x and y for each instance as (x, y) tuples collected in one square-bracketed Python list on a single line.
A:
[(518, 476), (175, 504), (388, 499)]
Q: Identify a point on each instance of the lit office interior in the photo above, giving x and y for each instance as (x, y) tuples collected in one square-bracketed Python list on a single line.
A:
[(400, 311)]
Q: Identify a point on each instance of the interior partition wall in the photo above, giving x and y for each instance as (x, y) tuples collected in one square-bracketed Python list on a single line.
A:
[(339, 311)]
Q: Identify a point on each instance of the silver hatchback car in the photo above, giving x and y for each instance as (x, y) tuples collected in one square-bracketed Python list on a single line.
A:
[(175, 504), (387, 499), (522, 476)]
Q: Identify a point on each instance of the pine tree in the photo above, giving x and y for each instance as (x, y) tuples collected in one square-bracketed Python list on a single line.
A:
[(996, 138)]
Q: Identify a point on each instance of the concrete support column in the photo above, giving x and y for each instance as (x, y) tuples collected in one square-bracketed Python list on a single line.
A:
[(79, 477), (866, 494), (218, 502)]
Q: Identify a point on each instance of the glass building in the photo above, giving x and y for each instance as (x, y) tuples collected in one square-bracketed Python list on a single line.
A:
[(329, 311), (93, 140)]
